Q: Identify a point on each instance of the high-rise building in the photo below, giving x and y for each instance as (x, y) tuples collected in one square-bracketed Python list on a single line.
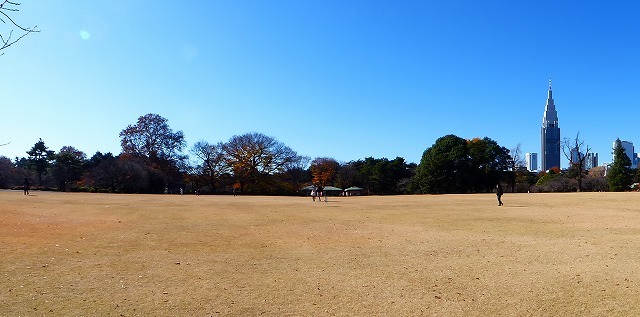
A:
[(591, 161), (531, 161), (550, 135), (576, 155)]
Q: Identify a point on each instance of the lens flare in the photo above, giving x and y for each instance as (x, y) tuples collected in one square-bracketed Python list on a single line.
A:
[(85, 35)]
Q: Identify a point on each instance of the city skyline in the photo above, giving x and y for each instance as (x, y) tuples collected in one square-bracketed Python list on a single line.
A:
[(332, 79)]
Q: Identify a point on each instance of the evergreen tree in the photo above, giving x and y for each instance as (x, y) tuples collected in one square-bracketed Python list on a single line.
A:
[(444, 167), (619, 175), (40, 158), (488, 162), (68, 166), (383, 176)]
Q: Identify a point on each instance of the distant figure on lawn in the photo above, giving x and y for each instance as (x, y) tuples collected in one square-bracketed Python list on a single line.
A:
[(499, 193), (320, 192), (26, 186), (313, 192)]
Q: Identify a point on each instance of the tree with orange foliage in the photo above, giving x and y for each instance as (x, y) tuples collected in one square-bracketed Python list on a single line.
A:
[(323, 169)]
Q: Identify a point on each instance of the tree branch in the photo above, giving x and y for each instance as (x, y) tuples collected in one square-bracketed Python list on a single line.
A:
[(6, 42)]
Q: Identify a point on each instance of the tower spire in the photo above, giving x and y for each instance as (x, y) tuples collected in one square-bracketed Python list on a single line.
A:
[(550, 135)]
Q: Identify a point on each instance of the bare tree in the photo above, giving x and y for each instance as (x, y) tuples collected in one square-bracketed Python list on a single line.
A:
[(516, 166), (8, 8), (518, 160), (576, 152), (153, 143), (212, 161), (151, 137), (252, 156), (347, 175)]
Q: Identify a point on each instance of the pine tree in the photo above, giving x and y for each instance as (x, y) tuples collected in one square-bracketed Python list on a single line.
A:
[(40, 158), (619, 175)]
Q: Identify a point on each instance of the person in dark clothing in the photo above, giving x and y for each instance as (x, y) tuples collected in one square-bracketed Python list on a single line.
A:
[(499, 194), (319, 192), (26, 186)]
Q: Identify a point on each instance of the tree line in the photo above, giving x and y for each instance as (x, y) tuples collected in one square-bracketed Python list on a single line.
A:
[(153, 160)]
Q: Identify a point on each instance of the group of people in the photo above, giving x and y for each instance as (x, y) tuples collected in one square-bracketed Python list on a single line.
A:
[(318, 191)]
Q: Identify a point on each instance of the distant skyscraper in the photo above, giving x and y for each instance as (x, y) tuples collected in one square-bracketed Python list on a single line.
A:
[(550, 135), (591, 161), (532, 161), (575, 156)]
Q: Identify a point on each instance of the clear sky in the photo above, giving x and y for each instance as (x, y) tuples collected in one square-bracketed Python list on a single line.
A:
[(341, 79)]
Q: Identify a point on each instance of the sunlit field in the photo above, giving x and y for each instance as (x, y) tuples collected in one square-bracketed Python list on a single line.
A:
[(67, 254)]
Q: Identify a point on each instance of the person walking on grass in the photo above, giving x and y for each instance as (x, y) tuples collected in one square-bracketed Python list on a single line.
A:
[(313, 192), (499, 193), (320, 192), (26, 186)]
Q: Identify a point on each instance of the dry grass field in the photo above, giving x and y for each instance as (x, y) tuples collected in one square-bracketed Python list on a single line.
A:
[(66, 254)]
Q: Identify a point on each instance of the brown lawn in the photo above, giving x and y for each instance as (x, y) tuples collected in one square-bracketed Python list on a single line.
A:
[(69, 254)]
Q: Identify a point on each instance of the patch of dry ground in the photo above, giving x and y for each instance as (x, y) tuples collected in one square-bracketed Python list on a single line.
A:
[(450, 255)]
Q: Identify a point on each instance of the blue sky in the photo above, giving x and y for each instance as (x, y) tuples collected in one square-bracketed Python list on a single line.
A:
[(341, 79)]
